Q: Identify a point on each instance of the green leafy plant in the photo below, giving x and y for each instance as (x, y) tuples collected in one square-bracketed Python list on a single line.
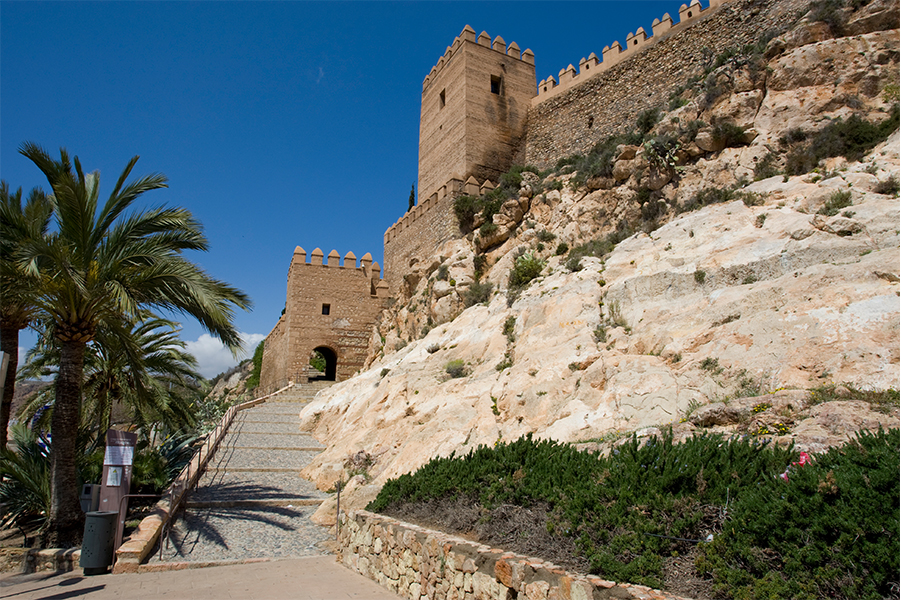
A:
[(836, 202), (509, 327), (700, 276), (456, 368), (525, 268), (562, 248), (478, 293)]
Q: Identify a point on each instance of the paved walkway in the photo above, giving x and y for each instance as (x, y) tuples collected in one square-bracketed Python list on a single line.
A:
[(251, 502), (312, 578)]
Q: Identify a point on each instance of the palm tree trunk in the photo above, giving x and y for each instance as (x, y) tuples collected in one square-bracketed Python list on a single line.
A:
[(9, 343), (66, 516)]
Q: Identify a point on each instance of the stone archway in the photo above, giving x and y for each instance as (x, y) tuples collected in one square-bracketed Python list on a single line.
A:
[(331, 364)]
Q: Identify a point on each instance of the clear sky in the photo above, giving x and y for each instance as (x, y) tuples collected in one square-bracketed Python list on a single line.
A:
[(278, 124)]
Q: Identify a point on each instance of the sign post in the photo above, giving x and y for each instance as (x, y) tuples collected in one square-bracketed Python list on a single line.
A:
[(116, 482)]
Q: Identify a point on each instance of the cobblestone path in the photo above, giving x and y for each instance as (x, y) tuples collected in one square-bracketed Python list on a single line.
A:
[(251, 502)]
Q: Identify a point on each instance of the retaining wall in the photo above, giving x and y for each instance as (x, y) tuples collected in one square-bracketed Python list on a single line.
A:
[(423, 564)]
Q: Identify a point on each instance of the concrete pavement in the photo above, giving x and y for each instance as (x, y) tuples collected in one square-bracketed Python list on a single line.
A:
[(312, 578)]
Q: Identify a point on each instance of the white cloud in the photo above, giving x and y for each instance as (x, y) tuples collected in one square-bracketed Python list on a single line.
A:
[(214, 358)]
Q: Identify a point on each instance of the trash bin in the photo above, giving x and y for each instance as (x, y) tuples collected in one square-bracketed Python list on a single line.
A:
[(97, 546)]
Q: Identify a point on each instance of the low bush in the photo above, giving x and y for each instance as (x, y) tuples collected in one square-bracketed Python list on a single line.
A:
[(545, 236), (455, 368), (851, 138), (836, 202), (889, 187), (525, 268), (478, 293), (562, 248), (826, 531)]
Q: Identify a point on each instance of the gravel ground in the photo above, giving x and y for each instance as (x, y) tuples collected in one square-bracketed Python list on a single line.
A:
[(263, 437), (239, 533)]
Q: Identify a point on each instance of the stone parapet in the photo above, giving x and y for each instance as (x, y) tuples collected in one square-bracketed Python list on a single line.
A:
[(420, 563), (615, 53), (593, 107)]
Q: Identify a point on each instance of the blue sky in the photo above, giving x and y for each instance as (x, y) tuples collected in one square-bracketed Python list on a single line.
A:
[(277, 123)]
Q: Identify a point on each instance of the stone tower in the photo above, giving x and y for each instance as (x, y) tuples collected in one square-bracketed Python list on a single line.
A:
[(330, 308), (474, 106)]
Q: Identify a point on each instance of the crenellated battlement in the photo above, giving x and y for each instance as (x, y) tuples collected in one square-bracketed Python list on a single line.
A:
[(450, 190), (615, 53), (469, 35), (367, 267)]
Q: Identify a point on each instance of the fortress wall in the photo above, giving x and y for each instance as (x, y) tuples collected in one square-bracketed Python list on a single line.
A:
[(573, 120), (420, 232), (275, 359), (354, 296)]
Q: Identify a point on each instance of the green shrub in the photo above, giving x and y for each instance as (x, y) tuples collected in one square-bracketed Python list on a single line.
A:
[(253, 380), (615, 508), (851, 138), (836, 202), (525, 268), (442, 273), (828, 530), (563, 248), (889, 187), (478, 293), (545, 236), (600, 334), (700, 276), (729, 134), (766, 167), (509, 326), (479, 262), (574, 263), (455, 368), (600, 247), (646, 120)]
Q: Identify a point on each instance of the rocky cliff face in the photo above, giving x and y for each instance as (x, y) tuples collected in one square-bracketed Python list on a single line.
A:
[(718, 317)]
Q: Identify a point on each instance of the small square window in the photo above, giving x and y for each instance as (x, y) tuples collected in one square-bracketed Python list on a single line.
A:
[(326, 309)]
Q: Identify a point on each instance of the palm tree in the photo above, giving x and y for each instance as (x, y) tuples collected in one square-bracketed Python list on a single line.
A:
[(17, 224), (148, 371), (102, 268)]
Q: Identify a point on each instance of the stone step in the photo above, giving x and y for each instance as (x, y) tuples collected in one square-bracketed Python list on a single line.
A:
[(233, 458), (265, 427), (254, 485), (289, 502), (263, 439)]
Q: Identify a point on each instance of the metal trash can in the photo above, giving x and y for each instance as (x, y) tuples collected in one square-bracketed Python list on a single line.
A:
[(97, 546)]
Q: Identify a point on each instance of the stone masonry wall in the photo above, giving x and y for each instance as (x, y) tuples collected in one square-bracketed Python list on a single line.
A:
[(608, 103), (422, 564), (330, 306), (421, 231)]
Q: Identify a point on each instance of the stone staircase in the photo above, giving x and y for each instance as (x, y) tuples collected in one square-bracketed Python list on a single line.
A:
[(251, 502)]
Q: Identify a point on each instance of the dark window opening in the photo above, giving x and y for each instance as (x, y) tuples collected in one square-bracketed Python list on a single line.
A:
[(326, 309), (495, 85), (442, 98), (590, 122), (689, 14), (635, 42)]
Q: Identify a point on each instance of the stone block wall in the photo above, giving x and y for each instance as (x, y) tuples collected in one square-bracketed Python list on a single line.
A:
[(421, 231), (590, 107), (422, 564), (330, 307)]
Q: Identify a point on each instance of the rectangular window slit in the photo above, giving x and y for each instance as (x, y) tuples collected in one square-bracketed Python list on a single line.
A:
[(326, 309)]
